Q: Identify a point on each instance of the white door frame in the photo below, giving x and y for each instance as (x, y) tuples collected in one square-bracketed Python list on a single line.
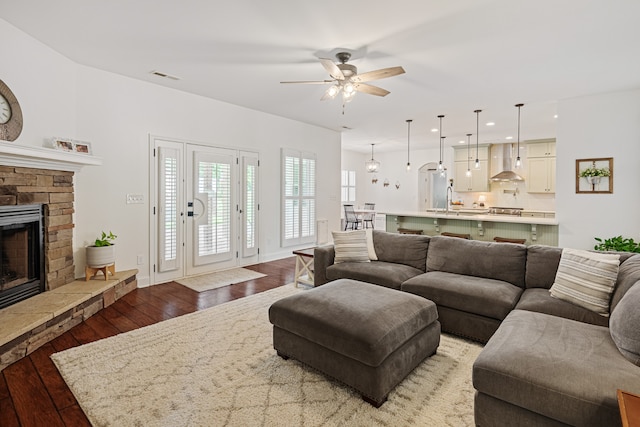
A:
[(241, 254)]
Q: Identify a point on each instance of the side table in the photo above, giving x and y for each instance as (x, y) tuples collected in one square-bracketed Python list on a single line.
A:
[(304, 267), (629, 404)]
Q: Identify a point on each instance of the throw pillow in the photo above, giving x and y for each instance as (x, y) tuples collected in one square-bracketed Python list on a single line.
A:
[(586, 279), (370, 248), (624, 325), (350, 246)]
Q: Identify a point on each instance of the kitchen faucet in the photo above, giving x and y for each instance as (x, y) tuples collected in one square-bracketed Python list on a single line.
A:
[(449, 194)]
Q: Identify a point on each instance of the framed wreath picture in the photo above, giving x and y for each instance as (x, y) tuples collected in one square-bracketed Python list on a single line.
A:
[(594, 176)]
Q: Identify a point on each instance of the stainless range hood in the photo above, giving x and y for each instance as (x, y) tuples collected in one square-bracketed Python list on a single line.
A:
[(507, 174)]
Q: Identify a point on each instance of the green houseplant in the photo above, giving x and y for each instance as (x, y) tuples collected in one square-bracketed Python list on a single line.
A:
[(102, 253), (594, 171), (617, 243)]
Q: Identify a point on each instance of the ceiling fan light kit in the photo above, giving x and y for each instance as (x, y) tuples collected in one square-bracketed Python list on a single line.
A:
[(346, 80)]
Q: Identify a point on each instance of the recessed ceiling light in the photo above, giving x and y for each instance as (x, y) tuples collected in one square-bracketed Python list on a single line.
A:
[(490, 124), (434, 130), (461, 142), (509, 137), (555, 116)]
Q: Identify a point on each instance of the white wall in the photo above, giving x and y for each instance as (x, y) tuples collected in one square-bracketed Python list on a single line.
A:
[(393, 167), (117, 114), (606, 125)]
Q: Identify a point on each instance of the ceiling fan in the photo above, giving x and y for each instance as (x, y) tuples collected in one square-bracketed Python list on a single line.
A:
[(347, 81)]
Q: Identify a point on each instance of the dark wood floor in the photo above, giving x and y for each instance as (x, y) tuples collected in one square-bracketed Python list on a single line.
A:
[(32, 392)]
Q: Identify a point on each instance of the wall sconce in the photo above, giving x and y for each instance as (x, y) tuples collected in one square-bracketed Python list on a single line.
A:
[(397, 185), (374, 180), (386, 182)]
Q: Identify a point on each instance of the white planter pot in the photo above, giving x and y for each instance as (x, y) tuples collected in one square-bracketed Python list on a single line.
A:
[(100, 256)]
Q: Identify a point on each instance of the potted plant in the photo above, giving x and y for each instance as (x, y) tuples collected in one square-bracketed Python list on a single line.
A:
[(618, 244), (103, 252), (594, 174)]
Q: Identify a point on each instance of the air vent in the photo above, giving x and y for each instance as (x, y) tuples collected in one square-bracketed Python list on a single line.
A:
[(165, 75)]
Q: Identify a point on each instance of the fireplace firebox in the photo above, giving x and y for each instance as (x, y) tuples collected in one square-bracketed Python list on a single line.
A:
[(21, 253)]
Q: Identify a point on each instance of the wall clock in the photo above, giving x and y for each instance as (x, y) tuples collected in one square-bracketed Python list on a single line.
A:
[(10, 114)]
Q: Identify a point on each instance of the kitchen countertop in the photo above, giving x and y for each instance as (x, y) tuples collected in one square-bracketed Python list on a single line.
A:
[(470, 215)]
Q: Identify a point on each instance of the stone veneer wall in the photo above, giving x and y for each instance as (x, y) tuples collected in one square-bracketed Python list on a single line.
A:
[(54, 189)]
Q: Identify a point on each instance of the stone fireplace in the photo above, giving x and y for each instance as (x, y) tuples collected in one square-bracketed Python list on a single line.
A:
[(53, 189)]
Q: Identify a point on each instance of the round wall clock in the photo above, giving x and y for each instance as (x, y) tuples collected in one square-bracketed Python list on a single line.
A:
[(10, 114)]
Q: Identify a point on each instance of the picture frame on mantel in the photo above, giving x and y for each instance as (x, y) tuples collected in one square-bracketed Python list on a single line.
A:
[(594, 176)]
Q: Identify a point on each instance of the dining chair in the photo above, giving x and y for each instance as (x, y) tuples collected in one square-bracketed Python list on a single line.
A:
[(368, 218), (350, 217)]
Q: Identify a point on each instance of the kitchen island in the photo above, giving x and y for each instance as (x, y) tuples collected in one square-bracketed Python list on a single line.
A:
[(479, 224)]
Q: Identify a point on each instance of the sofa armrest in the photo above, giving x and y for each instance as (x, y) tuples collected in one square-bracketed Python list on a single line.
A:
[(323, 257)]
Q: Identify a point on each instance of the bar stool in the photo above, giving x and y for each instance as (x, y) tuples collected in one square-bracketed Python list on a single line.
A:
[(507, 240), (458, 235)]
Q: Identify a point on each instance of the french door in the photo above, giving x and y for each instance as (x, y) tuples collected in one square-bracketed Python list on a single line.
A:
[(205, 209)]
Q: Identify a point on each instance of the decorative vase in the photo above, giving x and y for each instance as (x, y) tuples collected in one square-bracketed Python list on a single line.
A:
[(594, 180), (100, 256)]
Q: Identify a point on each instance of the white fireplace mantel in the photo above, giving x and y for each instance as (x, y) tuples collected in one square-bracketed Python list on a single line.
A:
[(27, 156)]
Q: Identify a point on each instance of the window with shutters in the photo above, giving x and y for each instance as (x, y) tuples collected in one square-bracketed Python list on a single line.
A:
[(299, 197), (348, 186)]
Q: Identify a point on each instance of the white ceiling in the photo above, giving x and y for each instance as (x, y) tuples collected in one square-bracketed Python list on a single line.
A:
[(458, 55)]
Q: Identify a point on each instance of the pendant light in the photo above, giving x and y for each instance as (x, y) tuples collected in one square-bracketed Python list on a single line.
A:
[(408, 143), (518, 161), (477, 164), (468, 173), (440, 165), (372, 165)]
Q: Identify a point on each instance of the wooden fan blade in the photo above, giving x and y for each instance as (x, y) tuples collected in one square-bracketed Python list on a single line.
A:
[(371, 90), (382, 73), (332, 68), (310, 82)]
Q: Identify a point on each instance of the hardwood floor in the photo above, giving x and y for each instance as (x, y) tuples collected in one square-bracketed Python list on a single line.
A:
[(32, 392)]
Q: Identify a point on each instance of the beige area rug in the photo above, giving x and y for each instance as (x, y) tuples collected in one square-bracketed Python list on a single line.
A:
[(217, 367), (206, 282)]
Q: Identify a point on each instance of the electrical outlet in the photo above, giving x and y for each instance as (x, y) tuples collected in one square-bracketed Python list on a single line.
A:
[(140, 260), (135, 199)]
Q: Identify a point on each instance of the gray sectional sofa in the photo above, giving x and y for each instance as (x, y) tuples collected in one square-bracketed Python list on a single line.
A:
[(546, 361)]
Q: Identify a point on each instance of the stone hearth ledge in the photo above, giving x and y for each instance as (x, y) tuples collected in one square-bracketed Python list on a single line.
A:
[(29, 324)]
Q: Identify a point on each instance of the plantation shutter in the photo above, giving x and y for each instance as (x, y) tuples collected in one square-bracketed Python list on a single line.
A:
[(299, 197), (168, 208)]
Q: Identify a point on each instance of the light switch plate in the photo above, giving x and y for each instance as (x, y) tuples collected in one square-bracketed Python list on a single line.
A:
[(135, 199)]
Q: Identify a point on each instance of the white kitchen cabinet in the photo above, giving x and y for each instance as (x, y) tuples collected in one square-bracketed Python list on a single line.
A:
[(542, 175), (460, 154), (478, 181), (541, 163), (545, 148)]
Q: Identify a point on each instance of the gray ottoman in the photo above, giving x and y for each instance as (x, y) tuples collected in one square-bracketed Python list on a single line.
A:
[(366, 336)]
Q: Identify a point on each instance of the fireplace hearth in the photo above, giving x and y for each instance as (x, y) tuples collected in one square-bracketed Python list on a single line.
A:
[(21, 253)]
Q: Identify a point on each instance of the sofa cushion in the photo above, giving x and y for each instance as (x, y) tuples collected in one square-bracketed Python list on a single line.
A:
[(542, 264), (485, 297), (540, 301), (381, 273), (624, 325), (565, 370), (586, 279), (350, 246), (404, 249), (370, 248), (628, 275), (481, 259)]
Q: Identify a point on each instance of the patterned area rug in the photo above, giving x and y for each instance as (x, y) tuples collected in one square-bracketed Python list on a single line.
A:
[(206, 282), (218, 367)]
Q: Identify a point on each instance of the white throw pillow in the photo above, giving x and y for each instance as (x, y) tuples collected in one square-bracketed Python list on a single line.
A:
[(350, 246), (370, 248), (586, 279)]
